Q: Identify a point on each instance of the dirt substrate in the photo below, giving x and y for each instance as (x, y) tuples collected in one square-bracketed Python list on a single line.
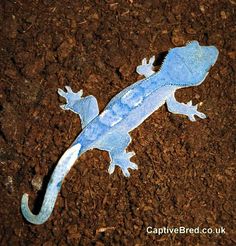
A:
[(186, 174)]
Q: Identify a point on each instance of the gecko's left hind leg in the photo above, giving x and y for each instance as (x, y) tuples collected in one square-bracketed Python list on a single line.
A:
[(85, 107), (116, 144)]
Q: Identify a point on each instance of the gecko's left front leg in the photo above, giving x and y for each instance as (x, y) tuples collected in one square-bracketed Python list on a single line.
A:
[(182, 108), (146, 68), (116, 143)]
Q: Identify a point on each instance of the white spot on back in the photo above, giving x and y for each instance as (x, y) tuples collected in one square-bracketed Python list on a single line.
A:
[(92, 132), (120, 109), (132, 98), (109, 118)]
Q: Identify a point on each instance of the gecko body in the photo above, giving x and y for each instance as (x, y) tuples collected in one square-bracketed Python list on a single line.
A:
[(183, 67)]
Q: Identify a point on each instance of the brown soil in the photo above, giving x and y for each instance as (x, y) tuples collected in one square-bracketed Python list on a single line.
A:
[(186, 174)]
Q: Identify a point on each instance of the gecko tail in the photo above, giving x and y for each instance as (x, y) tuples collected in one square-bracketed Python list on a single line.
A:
[(63, 167)]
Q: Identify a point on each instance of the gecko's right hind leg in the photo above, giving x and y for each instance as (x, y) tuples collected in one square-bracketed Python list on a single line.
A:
[(122, 160), (116, 144)]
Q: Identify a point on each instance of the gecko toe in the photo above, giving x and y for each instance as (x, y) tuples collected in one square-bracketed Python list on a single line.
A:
[(68, 88), (111, 168), (201, 115), (61, 92), (125, 172), (64, 107), (152, 59), (191, 118), (133, 166), (144, 61)]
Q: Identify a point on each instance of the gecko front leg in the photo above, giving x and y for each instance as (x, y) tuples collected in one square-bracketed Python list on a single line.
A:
[(146, 68), (182, 108)]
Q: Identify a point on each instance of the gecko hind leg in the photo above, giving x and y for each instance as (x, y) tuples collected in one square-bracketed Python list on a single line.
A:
[(85, 107), (116, 144), (123, 161)]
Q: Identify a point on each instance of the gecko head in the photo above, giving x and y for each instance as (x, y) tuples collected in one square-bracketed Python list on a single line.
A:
[(189, 65)]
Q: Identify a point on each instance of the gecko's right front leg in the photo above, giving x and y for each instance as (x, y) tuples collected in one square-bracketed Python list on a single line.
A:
[(183, 108)]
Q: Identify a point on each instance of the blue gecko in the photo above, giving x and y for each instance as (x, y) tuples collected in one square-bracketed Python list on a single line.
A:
[(183, 67)]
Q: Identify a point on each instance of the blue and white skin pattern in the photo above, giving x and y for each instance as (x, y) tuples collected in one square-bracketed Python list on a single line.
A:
[(183, 67)]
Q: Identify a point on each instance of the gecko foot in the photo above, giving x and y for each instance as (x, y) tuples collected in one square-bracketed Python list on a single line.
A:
[(146, 68), (122, 160), (192, 111), (70, 96)]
